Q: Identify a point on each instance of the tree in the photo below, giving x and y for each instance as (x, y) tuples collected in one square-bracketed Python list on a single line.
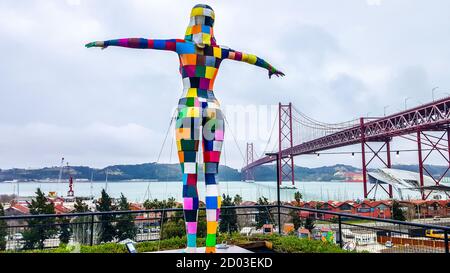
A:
[(263, 216), (65, 230), (164, 204), (237, 200), (295, 215), (126, 229), (108, 232), (81, 227), (80, 206), (201, 225), (309, 224), (171, 203), (298, 197), (3, 229), (228, 219), (397, 213), (176, 226), (39, 229), (173, 229), (296, 220)]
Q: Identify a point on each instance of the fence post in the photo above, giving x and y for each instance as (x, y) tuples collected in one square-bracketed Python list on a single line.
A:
[(92, 230), (340, 231), (446, 241)]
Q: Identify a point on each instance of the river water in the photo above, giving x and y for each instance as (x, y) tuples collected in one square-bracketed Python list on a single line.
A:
[(140, 191)]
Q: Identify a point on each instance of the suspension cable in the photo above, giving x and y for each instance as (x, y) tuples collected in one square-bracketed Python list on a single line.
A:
[(235, 140), (270, 136)]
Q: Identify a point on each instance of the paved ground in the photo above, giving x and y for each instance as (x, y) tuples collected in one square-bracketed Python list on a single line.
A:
[(231, 249)]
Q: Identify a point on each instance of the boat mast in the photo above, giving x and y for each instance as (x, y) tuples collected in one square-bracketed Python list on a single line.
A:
[(92, 177), (60, 175), (106, 181)]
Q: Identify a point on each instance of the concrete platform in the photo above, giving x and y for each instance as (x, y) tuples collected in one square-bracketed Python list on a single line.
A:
[(231, 249)]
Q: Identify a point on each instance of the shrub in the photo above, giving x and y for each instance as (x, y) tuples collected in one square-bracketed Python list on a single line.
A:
[(281, 244)]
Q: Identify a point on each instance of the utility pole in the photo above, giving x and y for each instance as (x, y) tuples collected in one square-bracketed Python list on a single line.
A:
[(278, 189)]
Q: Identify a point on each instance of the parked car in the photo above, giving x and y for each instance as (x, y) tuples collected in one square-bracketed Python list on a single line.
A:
[(17, 236), (389, 244)]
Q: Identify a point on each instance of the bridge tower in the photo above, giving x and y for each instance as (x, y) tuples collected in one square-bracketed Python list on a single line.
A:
[(436, 145), (285, 141), (249, 174), (374, 154)]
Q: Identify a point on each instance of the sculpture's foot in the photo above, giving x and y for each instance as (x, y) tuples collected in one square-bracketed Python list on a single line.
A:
[(190, 250), (210, 249)]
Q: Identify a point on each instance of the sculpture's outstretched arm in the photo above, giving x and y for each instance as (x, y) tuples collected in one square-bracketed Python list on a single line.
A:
[(251, 59), (137, 43)]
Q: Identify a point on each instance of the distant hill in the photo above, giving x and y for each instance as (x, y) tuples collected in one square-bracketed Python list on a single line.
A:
[(171, 172), (147, 171), (326, 173)]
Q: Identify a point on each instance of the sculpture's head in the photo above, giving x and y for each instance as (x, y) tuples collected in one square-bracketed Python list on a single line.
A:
[(200, 29)]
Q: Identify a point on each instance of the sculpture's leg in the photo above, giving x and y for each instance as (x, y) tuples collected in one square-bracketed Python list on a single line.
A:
[(213, 133), (187, 133)]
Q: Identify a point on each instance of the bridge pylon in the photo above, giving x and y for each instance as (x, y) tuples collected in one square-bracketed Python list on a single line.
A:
[(374, 154), (285, 141), (249, 174), (435, 145)]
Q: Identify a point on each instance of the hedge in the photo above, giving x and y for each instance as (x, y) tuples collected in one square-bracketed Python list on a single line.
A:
[(280, 244)]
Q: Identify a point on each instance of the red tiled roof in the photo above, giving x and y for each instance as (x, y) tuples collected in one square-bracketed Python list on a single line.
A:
[(59, 209), (248, 203), (304, 231), (134, 206), (414, 202), (21, 208), (374, 204)]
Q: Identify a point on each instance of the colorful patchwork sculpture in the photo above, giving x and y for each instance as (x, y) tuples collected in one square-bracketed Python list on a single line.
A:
[(199, 112)]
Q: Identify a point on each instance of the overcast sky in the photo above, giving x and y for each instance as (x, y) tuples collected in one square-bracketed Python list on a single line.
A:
[(342, 59)]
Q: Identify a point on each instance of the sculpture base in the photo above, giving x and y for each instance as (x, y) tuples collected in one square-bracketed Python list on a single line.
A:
[(231, 249)]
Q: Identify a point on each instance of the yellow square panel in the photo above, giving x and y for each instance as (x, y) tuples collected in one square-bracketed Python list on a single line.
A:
[(211, 227), (193, 112), (192, 93), (189, 31), (197, 12), (244, 57), (210, 72), (252, 59), (206, 38), (217, 52)]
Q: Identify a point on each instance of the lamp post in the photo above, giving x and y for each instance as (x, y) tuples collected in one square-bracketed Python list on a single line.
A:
[(406, 103), (432, 91), (386, 107), (277, 157)]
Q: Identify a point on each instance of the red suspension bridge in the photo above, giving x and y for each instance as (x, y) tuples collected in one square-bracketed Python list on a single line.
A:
[(426, 125)]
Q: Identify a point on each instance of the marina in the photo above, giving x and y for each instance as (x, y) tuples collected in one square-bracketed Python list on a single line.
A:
[(139, 191)]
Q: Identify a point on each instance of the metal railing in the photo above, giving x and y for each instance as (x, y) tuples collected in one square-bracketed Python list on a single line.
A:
[(349, 231), (378, 234)]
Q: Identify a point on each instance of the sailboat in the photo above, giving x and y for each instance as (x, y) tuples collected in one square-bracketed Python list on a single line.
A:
[(287, 187)]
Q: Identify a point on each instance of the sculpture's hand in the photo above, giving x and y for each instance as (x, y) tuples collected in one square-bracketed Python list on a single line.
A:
[(276, 73), (96, 44)]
